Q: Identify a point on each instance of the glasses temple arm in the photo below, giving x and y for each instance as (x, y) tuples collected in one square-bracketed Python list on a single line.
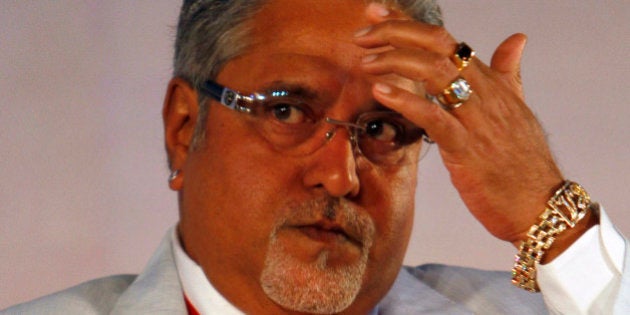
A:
[(225, 96), (213, 89)]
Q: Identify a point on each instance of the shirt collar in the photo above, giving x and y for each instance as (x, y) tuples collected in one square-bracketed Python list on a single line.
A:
[(200, 292)]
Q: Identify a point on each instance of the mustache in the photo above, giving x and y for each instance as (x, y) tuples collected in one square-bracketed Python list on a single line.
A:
[(332, 213)]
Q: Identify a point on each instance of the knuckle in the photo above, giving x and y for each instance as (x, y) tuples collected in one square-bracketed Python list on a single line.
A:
[(387, 26), (443, 66), (391, 27), (434, 113), (441, 36)]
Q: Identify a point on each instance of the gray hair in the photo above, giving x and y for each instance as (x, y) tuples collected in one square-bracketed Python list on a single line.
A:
[(212, 32)]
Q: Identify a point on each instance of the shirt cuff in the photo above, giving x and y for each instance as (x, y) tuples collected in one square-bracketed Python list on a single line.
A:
[(584, 272)]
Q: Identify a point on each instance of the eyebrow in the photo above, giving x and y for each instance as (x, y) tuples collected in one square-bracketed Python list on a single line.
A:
[(293, 89), (378, 107), (308, 93), (317, 99)]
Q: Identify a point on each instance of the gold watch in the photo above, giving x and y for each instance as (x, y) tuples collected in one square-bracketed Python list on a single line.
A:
[(564, 210)]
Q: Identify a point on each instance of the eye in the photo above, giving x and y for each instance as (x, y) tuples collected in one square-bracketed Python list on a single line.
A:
[(382, 130), (288, 114)]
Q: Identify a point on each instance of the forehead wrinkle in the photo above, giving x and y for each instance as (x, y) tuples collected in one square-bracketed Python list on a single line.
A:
[(314, 74), (336, 57), (308, 27)]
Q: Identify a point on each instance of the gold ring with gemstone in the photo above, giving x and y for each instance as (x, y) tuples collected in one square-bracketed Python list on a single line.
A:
[(455, 94), (463, 55)]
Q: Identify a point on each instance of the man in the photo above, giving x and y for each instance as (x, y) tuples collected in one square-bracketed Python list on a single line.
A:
[(293, 132)]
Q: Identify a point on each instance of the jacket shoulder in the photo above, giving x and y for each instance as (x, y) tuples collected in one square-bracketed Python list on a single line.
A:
[(93, 297)]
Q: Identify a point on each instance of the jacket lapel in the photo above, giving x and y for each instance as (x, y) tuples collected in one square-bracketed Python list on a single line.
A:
[(157, 289)]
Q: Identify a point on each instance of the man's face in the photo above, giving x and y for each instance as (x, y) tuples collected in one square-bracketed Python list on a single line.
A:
[(312, 232)]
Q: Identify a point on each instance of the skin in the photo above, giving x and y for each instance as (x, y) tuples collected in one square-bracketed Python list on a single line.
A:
[(493, 147), (232, 195)]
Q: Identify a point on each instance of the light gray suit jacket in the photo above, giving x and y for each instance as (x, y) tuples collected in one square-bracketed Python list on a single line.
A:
[(428, 289)]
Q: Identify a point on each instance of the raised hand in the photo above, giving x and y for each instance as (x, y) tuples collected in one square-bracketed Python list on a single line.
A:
[(492, 145)]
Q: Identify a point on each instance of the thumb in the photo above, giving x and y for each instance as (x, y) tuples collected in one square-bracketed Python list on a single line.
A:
[(507, 57)]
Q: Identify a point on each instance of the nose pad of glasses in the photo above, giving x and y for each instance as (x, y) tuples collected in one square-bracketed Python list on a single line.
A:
[(330, 133), (351, 127)]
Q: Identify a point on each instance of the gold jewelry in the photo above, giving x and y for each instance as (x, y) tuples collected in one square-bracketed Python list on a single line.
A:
[(564, 210), (463, 55), (455, 94)]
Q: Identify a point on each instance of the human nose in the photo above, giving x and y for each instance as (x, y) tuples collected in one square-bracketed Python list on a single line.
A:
[(333, 166)]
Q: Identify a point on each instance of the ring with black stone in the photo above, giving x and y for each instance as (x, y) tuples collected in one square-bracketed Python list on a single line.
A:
[(463, 55)]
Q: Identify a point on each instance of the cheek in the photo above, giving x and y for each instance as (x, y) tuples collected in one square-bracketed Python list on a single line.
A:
[(391, 244), (392, 201), (232, 191), (392, 208), (237, 163)]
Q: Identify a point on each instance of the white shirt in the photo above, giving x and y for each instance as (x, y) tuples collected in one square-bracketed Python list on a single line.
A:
[(571, 283), (201, 294)]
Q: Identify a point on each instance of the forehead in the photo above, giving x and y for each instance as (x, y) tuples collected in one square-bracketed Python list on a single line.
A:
[(313, 26), (290, 37)]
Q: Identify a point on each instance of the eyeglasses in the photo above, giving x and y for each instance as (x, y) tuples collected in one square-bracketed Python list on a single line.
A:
[(295, 124)]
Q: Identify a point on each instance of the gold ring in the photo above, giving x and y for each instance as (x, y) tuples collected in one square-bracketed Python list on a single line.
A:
[(463, 55), (455, 94)]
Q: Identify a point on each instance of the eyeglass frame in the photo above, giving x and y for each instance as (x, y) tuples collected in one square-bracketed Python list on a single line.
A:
[(230, 98)]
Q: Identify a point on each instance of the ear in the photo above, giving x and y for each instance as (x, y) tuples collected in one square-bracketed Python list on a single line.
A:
[(180, 117)]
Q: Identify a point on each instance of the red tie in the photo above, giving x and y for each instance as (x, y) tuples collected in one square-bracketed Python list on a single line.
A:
[(191, 309)]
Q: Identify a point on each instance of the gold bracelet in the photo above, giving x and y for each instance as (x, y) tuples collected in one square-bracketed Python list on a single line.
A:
[(564, 210)]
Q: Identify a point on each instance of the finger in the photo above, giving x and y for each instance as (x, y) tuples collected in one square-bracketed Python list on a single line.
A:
[(377, 12), (434, 70), (440, 126), (406, 33)]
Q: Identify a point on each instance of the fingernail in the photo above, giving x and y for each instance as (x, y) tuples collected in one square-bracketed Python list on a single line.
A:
[(379, 9), (383, 88), (362, 31), (368, 58)]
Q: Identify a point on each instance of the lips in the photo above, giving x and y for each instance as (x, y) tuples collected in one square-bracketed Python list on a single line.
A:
[(327, 232), (327, 220)]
